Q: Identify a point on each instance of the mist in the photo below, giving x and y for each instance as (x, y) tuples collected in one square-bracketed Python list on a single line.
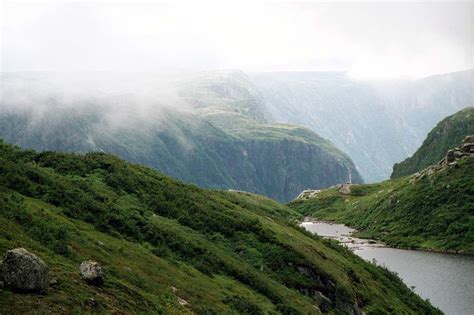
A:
[(367, 40), (110, 101)]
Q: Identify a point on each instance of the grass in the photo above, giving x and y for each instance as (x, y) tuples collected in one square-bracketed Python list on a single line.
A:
[(226, 253), (447, 134), (435, 212)]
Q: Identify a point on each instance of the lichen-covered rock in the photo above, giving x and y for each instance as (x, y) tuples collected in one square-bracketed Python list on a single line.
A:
[(21, 270), (91, 272), (469, 139)]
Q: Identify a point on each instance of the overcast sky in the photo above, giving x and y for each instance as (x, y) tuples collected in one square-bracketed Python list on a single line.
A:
[(368, 40)]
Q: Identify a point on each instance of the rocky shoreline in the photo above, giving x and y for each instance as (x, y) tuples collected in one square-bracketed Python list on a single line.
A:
[(355, 243)]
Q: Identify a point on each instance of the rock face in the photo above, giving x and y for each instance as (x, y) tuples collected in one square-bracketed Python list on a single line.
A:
[(23, 271), (376, 115), (91, 272)]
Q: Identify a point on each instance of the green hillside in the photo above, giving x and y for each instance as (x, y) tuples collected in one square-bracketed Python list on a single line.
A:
[(211, 131), (431, 210), (447, 134), (173, 248)]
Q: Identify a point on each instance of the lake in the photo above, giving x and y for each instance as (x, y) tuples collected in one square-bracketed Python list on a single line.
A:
[(447, 280)]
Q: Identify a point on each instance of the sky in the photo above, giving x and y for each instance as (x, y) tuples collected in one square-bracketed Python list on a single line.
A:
[(368, 40)]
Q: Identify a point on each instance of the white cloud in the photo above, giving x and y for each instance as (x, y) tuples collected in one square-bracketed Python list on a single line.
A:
[(370, 40)]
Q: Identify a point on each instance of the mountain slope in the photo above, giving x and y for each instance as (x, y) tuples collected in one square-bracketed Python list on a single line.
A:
[(212, 131), (376, 123), (432, 210), (447, 134), (173, 248)]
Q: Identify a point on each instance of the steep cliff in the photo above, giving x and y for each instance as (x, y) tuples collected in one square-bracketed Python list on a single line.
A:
[(212, 132), (377, 123)]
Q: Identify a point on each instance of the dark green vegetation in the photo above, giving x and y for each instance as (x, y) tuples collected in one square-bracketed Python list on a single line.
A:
[(212, 131), (225, 253), (434, 211), (447, 134)]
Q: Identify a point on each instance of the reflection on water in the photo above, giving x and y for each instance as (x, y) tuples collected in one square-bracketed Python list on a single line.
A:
[(447, 280)]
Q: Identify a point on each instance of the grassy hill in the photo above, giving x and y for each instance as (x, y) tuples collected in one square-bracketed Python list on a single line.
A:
[(431, 211), (210, 130), (173, 248), (447, 134)]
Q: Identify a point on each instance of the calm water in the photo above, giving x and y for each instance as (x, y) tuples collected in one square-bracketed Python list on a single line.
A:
[(446, 280)]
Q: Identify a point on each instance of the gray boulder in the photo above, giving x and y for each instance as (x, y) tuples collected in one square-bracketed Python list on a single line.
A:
[(450, 156), (91, 272), (469, 139), (21, 270)]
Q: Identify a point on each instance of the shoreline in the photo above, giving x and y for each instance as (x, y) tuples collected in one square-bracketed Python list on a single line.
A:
[(383, 244)]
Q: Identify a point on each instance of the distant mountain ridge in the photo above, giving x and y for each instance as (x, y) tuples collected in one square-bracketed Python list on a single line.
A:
[(210, 129), (376, 123), (447, 134)]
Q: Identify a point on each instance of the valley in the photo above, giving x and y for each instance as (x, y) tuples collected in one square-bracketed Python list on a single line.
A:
[(236, 157), (377, 123)]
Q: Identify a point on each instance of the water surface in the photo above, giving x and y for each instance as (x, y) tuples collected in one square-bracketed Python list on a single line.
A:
[(447, 280)]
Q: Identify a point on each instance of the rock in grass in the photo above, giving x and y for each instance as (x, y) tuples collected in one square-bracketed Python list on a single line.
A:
[(21, 270), (91, 272)]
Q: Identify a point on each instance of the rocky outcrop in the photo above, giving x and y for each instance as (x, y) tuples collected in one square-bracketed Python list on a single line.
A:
[(452, 157), (466, 150), (21, 270), (307, 194), (344, 188), (92, 272)]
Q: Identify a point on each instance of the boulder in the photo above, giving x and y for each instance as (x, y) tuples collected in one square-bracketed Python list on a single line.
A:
[(469, 139), (345, 189), (91, 272), (21, 270), (458, 154), (450, 156), (467, 147)]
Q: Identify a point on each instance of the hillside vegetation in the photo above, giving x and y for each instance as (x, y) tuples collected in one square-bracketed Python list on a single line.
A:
[(431, 210), (447, 134), (210, 129), (173, 248)]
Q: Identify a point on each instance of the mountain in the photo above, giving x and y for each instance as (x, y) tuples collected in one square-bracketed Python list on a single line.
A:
[(210, 129), (447, 134), (432, 209), (173, 248), (376, 123)]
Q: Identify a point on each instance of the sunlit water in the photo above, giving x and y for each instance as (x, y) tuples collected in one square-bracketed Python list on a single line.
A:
[(447, 280)]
